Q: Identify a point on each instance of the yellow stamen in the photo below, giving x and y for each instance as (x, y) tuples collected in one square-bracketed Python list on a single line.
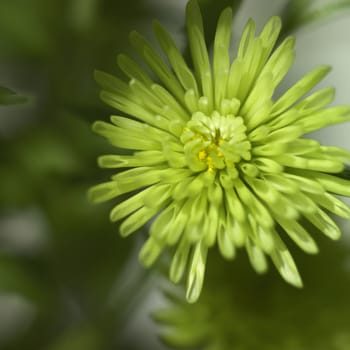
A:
[(202, 155)]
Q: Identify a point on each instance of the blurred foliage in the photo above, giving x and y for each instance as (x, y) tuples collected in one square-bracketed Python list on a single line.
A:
[(9, 97), (211, 11), (48, 51), (74, 277), (299, 13), (242, 311)]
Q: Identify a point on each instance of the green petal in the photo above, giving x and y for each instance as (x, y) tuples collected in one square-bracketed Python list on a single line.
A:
[(317, 100), (247, 39), (299, 235), (254, 205), (152, 196), (159, 228), (280, 61), (171, 106), (221, 56), (332, 204), (225, 243), (256, 109), (113, 84), (332, 183), (277, 203), (240, 231), (281, 183), (337, 153), (199, 51), (293, 161), (260, 236), (177, 225), (180, 190), (267, 165), (256, 257), (150, 251), (157, 65), (285, 264), (103, 192), (194, 227), (323, 118), (147, 98), (234, 206), (125, 138), (138, 159), (303, 86), (179, 262), (306, 184), (127, 106), (269, 35), (215, 194), (324, 223), (196, 272), (136, 178), (302, 146), (234, 79), (270, 149), (133, 70), (176, 59), (137, 220), (210, 225), (128, 206), (286, 134), (250, 69)]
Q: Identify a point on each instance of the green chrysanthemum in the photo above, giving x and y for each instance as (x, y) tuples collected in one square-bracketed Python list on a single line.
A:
[(214, 157)]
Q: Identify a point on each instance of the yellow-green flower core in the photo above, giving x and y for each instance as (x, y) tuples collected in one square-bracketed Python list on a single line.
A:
[(215, 158)]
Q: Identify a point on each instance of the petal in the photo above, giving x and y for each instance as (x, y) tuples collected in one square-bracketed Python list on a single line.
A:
[(103, 192), (199, 51), (181, 69), (285, 263), (324, 223), (299, 235), (298, 90), (138, 159), (196, 272), (256, 256), (179, 262), (221, 56), (157, 65), (150, 251)]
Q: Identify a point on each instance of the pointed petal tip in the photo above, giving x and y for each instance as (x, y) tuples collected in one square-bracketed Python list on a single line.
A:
[(292, 276)]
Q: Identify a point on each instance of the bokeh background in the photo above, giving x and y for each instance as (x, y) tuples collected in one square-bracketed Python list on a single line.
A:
[(67, 280)]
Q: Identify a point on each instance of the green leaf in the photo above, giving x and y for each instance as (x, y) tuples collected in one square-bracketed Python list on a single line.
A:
[(9, 97), (299, 13), (80, 338)]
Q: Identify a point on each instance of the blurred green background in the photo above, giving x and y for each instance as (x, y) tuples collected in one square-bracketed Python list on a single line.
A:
[(67, 280)]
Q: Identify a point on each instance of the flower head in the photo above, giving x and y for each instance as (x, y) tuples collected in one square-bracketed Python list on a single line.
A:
[(214, 157)]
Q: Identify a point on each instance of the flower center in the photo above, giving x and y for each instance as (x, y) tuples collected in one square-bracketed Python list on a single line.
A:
[(215, 142)]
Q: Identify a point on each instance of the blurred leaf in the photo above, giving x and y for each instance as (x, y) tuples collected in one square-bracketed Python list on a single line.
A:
[(211, 10), (23, 279), (22, 26), (239, 310), (9, 97), (298, 13), (80, 338)]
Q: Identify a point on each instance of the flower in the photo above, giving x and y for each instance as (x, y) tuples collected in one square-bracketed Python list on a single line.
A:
[(214, 157)]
